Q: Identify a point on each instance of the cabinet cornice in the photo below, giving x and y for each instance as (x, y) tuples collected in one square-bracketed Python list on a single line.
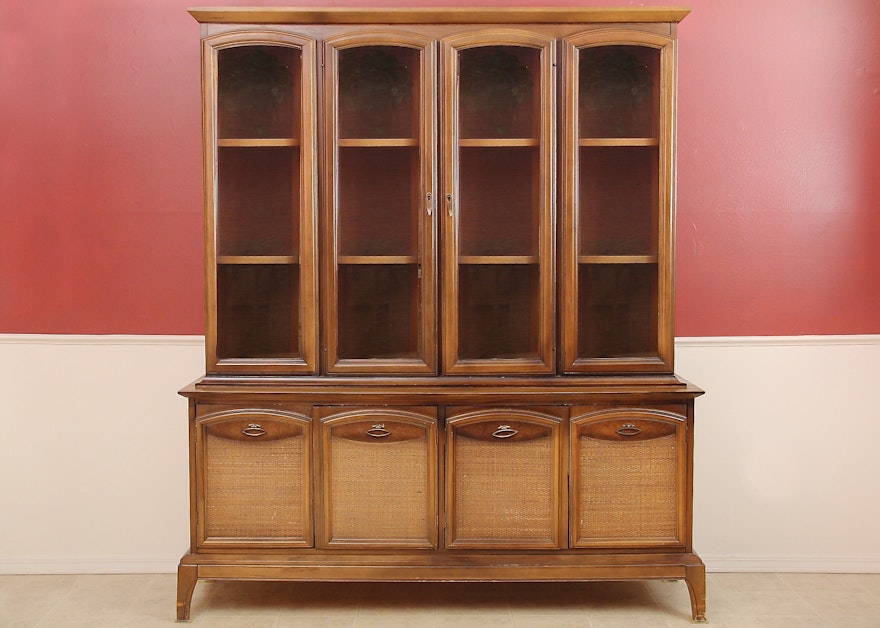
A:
[(468, 15)]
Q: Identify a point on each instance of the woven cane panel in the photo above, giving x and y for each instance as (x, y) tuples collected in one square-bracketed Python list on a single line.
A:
[(504, 490), (379, 491), (254, 489), (627, 490)]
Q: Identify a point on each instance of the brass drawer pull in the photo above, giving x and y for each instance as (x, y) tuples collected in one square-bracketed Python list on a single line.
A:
[(504, 431), (254, 430), (378, 431), (628, 429)]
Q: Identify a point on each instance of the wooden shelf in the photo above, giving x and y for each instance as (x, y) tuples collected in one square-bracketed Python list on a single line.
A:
[(377, 259), (618, 141), (617, 259), (378, 142), (498, 259), (251, 142), (498, 142), (257, 259)]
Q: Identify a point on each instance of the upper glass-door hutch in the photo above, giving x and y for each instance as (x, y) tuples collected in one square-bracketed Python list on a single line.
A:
[(434, 208)]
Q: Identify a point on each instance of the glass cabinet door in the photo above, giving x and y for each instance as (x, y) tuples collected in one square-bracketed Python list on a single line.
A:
[(380, 235), (259, 181), (617, 203), (497, 204)]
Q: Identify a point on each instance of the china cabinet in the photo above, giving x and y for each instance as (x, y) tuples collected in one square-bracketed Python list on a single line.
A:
[(439, 268)]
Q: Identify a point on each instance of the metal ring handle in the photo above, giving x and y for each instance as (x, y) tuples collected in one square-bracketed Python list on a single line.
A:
[(378, 431), (628, 429), (504, 431), (254, 430)]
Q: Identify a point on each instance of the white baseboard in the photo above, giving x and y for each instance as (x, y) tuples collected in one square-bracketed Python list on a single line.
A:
[(31, 565), (793, 564)]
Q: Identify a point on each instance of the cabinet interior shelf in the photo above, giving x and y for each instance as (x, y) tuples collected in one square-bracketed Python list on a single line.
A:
[(377, 259), (619, 141), (497, 259), (256, 142), (391, 142), (257, 259), (617, 259), (498, 142)]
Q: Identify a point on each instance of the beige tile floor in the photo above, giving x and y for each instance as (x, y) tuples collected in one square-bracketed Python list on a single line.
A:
[(734, 600)]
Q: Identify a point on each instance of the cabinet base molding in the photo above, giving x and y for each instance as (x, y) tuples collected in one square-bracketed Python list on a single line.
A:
[(446, 567)]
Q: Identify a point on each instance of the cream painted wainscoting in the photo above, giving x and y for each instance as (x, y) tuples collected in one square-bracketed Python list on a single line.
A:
[(93, 452), (787, 469)]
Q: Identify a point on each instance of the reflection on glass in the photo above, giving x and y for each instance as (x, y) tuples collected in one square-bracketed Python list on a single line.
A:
[(378, 311), (498, 91), (618, 200), (497, 209), (257, 311), (619, 96), (618, 310), (258, 91), (376, 92), (257, 202), (498, 315), (377, 201)]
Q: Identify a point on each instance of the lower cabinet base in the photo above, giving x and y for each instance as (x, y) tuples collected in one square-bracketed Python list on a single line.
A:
[(447, 567)]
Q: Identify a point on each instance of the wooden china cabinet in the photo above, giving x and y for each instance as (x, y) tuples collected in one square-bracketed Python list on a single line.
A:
[(439, 299)]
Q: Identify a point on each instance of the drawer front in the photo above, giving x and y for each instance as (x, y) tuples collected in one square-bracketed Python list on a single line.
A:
[(253, 479), (503, 478), (628, 477), (379, 477)]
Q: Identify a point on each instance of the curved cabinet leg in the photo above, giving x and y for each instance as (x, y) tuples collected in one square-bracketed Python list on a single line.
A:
[(696, 583), (187, 576)]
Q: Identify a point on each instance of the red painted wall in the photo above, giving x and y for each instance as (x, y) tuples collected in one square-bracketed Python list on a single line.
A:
[(779, 167)]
